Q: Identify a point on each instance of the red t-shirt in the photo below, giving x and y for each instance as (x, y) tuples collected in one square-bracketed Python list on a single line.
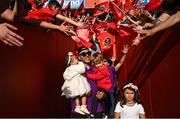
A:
[(102, 76)]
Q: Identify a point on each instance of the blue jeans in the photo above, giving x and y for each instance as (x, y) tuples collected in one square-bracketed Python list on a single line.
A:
[(111, 104), (103, 102)]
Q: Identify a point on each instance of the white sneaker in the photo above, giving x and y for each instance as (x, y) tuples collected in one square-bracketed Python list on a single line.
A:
[(78, 110), (84, 109), (105, 116)]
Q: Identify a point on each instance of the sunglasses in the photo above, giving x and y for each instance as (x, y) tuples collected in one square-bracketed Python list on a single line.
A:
[(84, 54), (104, 61)]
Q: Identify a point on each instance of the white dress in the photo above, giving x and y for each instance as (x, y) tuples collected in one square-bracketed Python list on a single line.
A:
[(129, 112), (75, 83)]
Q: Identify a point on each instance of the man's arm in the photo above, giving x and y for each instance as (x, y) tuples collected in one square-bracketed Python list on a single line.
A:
[(168, 23), (172, 20), (69, 20)]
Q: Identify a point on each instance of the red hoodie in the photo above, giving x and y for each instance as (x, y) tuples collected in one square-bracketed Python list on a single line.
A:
[(102, 76)]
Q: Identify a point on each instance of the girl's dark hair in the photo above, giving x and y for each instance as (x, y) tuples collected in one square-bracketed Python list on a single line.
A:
[(122, 98), (68, 60)]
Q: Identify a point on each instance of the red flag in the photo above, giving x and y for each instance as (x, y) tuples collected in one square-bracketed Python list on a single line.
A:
[(44, 14), (83, 33), (117, 11), (123, 33), (82, 9), (83, 42), (128, 5), (153, 4), (76, 13), (118, 2), (101, 8), (106, 41), (36, 4), (110, 25)]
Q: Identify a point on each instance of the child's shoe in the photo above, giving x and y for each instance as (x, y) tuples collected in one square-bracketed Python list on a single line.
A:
[(84, 109), (105, 116), (78, 110)]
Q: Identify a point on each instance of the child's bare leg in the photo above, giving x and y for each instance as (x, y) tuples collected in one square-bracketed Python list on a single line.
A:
[(77, 102), (83, 99)]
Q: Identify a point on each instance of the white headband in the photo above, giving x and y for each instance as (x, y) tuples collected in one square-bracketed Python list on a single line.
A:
[(69, 57), (130, 85)]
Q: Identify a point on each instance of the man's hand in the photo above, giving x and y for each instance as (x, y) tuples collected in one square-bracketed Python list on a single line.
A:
[(145, 33), (65, 29), (8, 36)]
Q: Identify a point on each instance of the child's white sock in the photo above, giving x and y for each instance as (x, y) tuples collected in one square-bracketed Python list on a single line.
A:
[(84, 109), (78, 110)]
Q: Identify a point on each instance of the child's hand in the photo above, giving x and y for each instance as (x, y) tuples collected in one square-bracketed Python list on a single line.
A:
[(89, 93), (100, 95), (125, 49)]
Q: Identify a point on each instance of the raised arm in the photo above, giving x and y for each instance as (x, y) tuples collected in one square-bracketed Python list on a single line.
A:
[(67, 19), (119, 64)]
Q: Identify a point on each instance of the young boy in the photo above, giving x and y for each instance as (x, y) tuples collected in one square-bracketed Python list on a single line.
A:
[(100, 73)]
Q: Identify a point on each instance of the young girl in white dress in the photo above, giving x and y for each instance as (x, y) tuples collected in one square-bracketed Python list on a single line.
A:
[(76, 85), (129, 105)]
